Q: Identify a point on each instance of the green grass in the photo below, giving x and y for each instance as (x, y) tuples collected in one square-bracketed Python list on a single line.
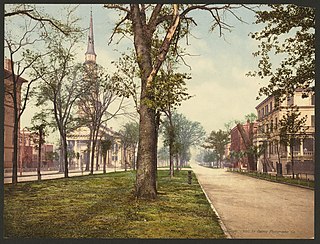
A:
[(103, 206), (280, 179)]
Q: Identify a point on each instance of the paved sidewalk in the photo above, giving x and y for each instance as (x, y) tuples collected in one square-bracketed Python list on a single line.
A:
[(253, 208), (45, 175)]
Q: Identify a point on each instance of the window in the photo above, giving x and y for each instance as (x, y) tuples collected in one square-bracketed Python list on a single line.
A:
[(313, 102), (312, 120), (276, 123), (270, 107), (290, 100), (308, 144), (271, 126), (267, 110), (271, 147), (262, 111), (258, 114)]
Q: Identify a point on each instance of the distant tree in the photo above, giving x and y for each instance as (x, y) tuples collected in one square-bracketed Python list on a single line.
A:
[(95, 103), (168, 93), (292, 128), (251, 117), (105, 148), (217, 141), (187, 133), (290, 34), (163, 154), (26, 29), (210, 157), (38, 133), (61, 84), (129, 135)]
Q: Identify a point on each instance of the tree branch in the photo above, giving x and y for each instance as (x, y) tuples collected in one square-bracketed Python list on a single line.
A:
[(117, 26)]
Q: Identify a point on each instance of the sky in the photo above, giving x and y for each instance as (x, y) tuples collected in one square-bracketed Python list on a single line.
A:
[(221, 90)]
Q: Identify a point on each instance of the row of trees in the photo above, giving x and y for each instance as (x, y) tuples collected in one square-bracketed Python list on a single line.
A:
[(45, 49), (26, 30), (156, 30), (289, 131), (179, 135)]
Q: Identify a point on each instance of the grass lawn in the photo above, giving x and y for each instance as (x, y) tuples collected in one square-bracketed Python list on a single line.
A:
[(103, 206), (280, 179)]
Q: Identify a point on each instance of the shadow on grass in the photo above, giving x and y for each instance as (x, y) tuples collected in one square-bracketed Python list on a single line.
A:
[(104, 206)]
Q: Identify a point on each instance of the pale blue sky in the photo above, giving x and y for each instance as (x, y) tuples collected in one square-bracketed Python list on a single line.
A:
[(222, 90)]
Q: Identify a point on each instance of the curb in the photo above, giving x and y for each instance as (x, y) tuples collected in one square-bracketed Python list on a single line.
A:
[(223, 227)]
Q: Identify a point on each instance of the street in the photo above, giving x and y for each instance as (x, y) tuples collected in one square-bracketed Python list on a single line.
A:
[(253, 208)]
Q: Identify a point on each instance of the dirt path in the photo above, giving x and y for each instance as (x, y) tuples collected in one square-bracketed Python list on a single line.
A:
[(253, 208)]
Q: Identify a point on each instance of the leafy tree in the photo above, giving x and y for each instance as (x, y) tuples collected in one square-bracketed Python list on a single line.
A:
[(146, 22), (210, 157), (237, 155), (251, 117), (292, 128), (60, 82), (105, 148), (163, 155), (217, 141), (130, 137), (95, 103), (26, 29), (187, 134), (289, 34), (39, 132)]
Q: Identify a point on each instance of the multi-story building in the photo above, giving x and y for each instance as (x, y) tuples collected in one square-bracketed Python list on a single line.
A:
[(267, 135), (9, 112)]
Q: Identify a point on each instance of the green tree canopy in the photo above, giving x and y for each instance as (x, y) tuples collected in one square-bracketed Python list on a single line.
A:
[(289, 34)]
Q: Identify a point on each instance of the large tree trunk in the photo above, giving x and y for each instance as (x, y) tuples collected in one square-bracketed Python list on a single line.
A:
[(125, 158), (15, 132), (292, 163), (39, 155), (97, 156), (15, 153), (92, 156), (104, 162), (145, 179), (65, 151), (143, 33), (88, 151)]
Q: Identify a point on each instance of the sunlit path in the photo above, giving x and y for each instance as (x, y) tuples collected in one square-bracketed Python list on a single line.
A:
[(253, 208)]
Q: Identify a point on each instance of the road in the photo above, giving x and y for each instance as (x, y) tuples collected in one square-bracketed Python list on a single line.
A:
[(253, 208)]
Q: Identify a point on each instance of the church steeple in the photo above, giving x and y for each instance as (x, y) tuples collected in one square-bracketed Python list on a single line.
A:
[(90, 55)]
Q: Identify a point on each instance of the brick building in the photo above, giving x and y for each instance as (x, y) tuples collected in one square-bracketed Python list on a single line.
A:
[(9, 112), (237, 146)]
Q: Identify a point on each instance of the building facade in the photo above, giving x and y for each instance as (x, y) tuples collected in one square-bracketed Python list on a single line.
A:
[(79, 141), (9, 113), (237, 149), (29, 155), (268, 135)]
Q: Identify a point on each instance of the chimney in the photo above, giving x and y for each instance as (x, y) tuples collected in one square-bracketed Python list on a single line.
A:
[(7, 64)]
